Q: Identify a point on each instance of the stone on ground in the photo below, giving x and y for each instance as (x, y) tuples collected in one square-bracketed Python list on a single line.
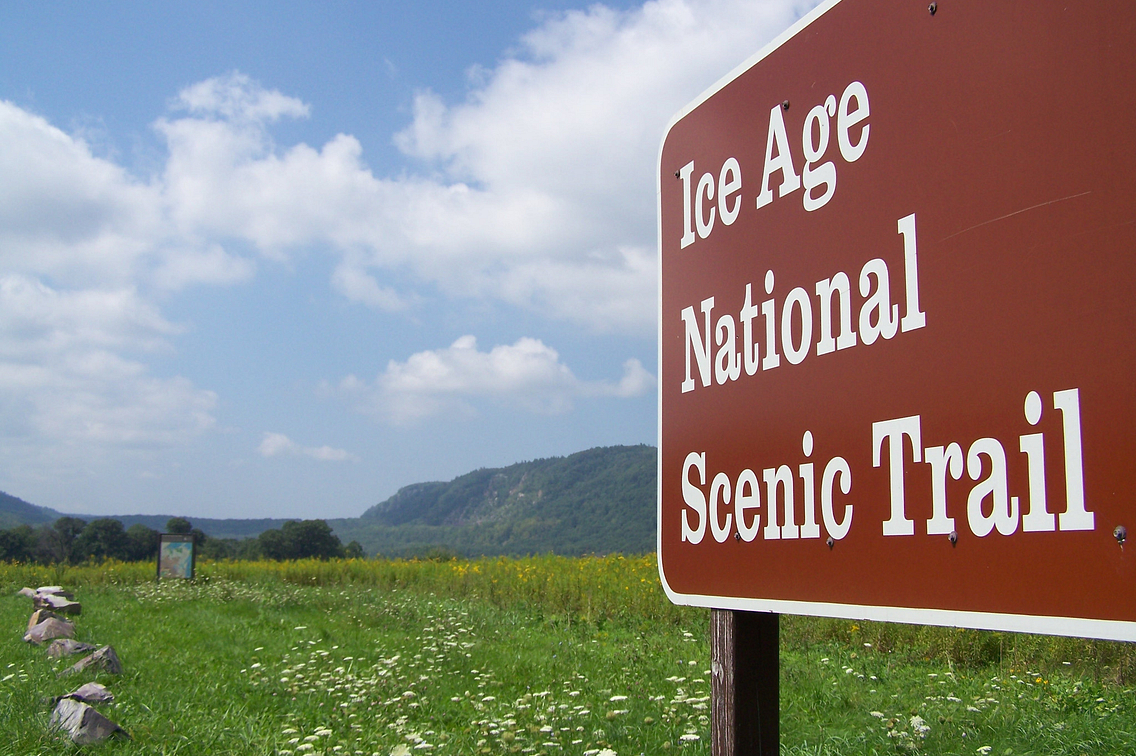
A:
[(105, 659), (49, 629), (54, 590), (58, 603), (66, 646), (91, 693), (39, 615), (83, 723)]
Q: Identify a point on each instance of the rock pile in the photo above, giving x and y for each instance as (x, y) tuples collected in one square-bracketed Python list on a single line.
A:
[(73, 712)]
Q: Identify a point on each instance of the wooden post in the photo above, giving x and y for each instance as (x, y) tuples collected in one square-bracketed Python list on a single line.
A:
[(745, 689)]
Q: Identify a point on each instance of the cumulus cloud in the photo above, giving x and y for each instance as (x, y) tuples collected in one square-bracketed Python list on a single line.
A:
[(64, 376), (84, 246), (537, 189), (236, 97), (527, 374), (276, 444)]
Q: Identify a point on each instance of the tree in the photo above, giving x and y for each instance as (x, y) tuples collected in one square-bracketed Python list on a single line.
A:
[(17, 544), (141, 543), (104, 538), (182, 526), (312, 539), (57, 542), (354, 550), (273, 545), (307, 539), (178, 525)]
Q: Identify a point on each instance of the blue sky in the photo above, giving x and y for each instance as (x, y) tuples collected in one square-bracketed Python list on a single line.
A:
[(281, 259)]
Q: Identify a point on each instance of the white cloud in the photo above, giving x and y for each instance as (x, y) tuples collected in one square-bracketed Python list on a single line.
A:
[(527, 374), (355, 283), (276, 444), (236, 97), (64, 377), (64, 212), (536, 190)]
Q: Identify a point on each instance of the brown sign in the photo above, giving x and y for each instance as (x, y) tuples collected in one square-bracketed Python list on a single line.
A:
[(898, 321)]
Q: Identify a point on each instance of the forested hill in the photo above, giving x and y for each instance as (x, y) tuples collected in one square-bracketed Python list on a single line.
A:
[(596, 501), (15, 511)]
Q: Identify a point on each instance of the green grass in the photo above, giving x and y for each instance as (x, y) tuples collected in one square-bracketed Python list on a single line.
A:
[(524, 656)]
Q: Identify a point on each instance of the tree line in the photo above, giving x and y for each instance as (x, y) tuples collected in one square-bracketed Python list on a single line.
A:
[(72, 540)]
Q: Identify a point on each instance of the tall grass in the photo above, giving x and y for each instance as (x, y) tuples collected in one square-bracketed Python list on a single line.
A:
[(596, 590)]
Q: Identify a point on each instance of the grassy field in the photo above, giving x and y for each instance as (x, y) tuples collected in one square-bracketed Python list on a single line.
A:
[(542, 655)]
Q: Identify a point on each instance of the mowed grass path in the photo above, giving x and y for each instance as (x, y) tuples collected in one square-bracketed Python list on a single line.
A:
[(543, 655)]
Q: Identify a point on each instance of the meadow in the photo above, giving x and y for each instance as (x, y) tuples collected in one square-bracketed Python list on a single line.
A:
[(541, 655)]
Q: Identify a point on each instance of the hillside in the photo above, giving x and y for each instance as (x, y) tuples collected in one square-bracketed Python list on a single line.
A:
[(14, 511), (596, 501)]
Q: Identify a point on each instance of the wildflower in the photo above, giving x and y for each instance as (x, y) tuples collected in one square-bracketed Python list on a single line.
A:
[(689, 737), (984, 750), (618, 698)]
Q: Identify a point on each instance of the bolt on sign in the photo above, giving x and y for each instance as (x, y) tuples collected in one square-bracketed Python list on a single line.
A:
[(898, 321)]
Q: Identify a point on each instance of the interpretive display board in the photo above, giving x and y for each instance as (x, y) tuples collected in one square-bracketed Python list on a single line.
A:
[(176, 556)]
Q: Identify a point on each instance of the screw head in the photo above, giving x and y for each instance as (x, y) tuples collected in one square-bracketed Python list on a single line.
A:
[(785, 105), (830, 543), (954, 537), (932, 8), (1120, 534), (737, 536)]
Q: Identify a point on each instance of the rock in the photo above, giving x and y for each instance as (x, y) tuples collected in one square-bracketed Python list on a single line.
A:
[(91, 692), (39, 615), (58, 603), (105, 659), (54, 590), (49, 629), (66, 646), (82, 723), (26, 592)]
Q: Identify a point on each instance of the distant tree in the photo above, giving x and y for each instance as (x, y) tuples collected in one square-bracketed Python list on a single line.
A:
[(18, 544), (141, 543), (306, 539), (57, 542), (104, 538), (178, 525), (312, 539), (199, 538), (182, 526), (248, 548), (273, 545), (354, 550)]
